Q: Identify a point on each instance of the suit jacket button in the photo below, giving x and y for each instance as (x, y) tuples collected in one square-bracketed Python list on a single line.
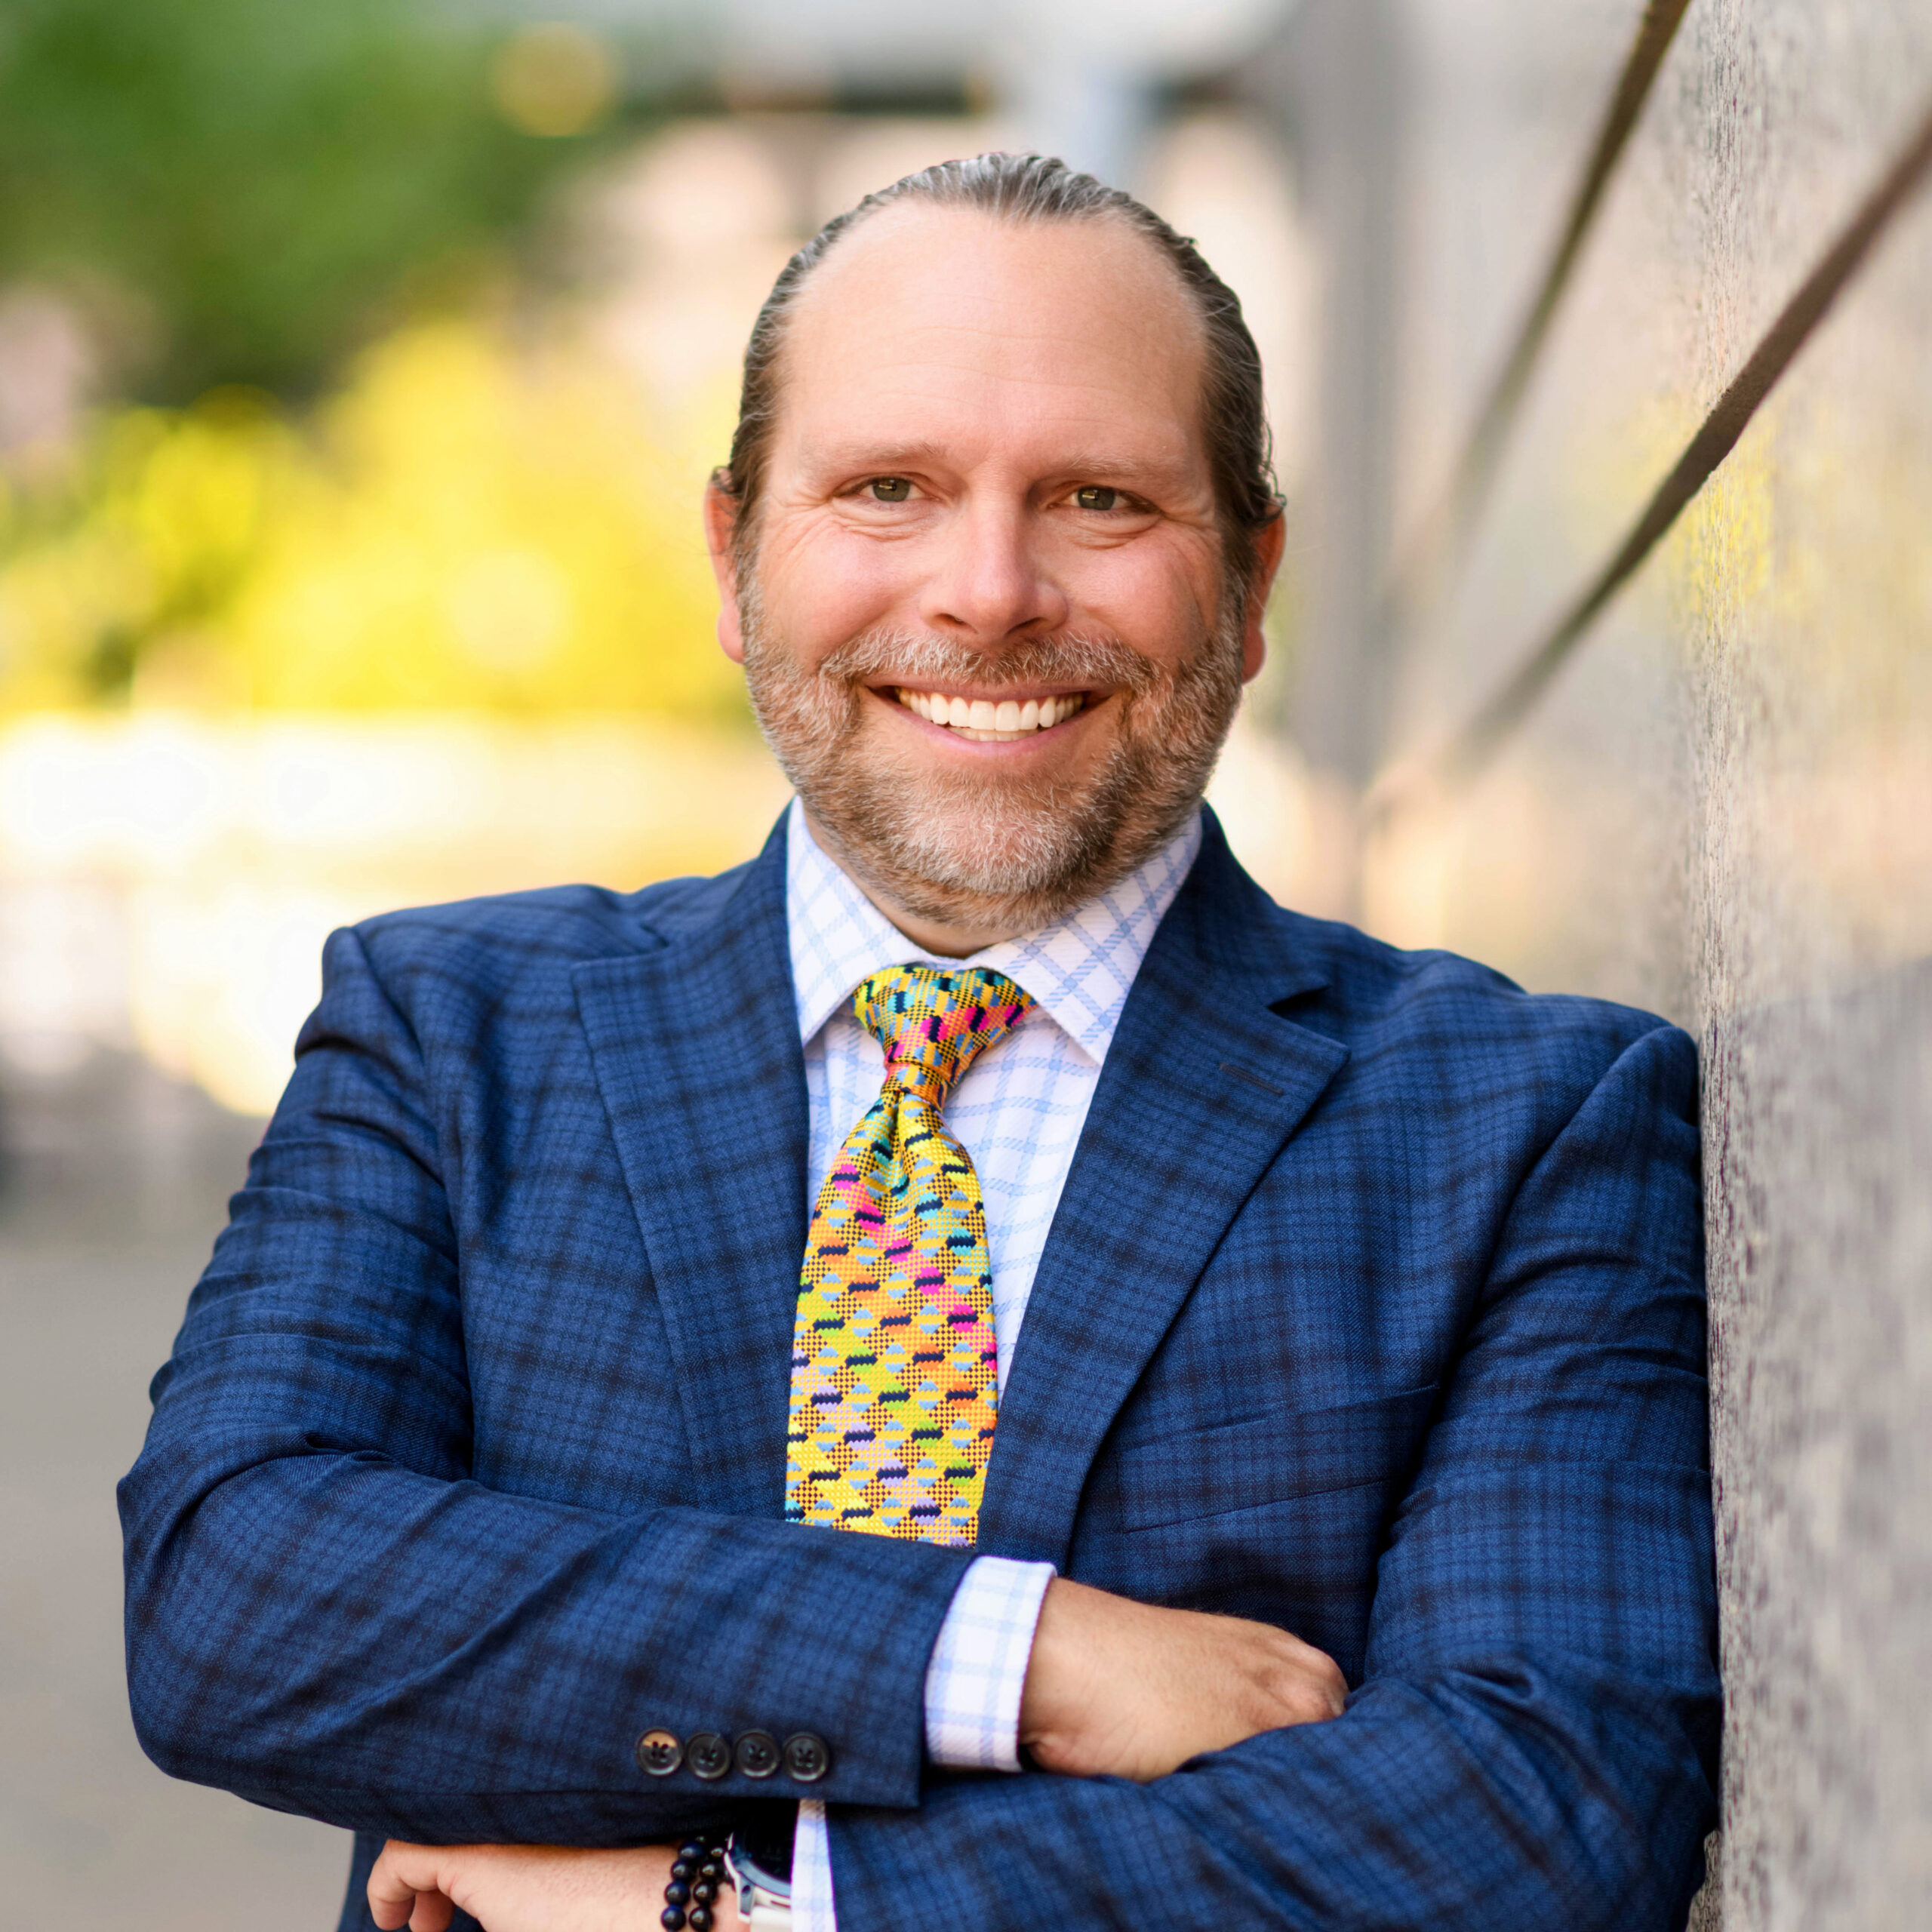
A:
[(659, 1753), (707, 1754), (757, 1754), (807, 1758)]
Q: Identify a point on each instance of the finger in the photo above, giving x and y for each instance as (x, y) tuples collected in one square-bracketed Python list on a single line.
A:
[(433, 1913), (402, 1890), (391, 1898), (389, 1915)]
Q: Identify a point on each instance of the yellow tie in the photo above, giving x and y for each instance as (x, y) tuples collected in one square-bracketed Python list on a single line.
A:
[(894, 1383)]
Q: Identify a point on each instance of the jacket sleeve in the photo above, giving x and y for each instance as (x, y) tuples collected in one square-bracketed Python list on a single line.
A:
[(327, 1614), (1535, 1741)]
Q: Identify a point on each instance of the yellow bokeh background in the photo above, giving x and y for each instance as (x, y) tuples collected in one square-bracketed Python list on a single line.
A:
[(469, 523)]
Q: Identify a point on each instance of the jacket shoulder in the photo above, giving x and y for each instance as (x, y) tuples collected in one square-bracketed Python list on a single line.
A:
[(443, 964), (1374, 997), (570, 922), (1379, 997)]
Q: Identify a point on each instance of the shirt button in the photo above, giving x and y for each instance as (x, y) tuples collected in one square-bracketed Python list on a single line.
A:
[(807, 1757), (659, 1753), (757, 1754), (707, 1754)]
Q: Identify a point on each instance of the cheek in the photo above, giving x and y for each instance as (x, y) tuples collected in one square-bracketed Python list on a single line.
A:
[(822, 587), (1161, 600)]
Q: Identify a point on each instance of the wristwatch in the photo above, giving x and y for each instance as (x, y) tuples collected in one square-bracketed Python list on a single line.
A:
[(765, 1899)]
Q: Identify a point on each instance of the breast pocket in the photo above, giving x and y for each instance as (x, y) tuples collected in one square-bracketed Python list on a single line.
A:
[(1280, 1517)]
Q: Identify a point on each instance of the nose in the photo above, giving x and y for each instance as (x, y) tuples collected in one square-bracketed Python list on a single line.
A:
[(988, 583)]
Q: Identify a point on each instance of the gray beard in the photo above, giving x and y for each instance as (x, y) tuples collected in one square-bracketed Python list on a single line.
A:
[(995, 855)]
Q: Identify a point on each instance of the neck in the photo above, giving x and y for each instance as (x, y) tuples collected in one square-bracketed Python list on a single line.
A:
[(949, 941)]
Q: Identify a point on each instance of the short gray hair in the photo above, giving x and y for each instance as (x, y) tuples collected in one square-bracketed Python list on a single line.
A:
[(1035, 188)]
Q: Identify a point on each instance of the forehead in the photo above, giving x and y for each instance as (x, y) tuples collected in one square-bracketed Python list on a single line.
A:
[(951, 326)]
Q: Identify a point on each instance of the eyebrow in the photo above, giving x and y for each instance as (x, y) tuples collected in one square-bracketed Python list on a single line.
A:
[(888, 458), (881, 459)]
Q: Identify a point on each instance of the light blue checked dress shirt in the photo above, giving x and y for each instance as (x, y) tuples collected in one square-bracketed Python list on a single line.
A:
[(1018, 1111)]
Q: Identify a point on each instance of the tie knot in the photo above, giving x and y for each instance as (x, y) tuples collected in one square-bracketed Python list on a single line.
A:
[(934, 1022)]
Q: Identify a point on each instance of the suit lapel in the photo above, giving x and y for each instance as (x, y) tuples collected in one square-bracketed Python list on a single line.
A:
[(1202, 1086), (696, 1052)]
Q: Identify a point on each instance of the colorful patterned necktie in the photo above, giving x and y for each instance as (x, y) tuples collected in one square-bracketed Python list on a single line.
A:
[(893, 1381)]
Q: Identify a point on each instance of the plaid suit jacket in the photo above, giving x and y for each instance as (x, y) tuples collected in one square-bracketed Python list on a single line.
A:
[(1373, 1309)]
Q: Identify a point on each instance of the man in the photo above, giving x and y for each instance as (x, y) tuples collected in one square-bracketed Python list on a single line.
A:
[(976, 1351)]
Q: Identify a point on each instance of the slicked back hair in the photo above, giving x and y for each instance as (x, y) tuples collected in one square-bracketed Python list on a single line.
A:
[(1035, 188)]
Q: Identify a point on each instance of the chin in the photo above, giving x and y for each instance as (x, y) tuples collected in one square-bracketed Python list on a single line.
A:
[(984, 853)]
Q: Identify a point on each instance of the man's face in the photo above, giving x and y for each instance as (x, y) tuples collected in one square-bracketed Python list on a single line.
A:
[(986, 622)]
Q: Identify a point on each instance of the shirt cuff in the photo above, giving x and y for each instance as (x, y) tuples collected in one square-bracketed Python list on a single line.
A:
[(812, 1908), (978, 1666)]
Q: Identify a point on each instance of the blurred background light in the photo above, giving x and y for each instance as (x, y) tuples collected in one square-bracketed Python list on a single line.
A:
[(554, 79)]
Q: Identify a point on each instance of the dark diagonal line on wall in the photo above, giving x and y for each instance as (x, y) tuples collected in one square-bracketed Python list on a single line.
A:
[(1444, 534), (1477, 742)]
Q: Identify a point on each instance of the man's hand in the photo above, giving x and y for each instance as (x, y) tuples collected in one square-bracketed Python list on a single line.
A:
[(529, 1888), (1120, 1689)]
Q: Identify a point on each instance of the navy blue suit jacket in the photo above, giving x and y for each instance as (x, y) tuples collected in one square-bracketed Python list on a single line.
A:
[(1373, 1309)]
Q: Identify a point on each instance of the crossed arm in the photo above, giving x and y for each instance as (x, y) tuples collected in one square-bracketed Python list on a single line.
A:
[(327, 1614), (1114, 1689)]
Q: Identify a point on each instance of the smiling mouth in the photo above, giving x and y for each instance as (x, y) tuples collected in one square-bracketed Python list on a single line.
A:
[(989, 720)]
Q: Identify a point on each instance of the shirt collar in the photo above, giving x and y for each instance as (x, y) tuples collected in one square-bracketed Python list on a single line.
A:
[(1079, 970)]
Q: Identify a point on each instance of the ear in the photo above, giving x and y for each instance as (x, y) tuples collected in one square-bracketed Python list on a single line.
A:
[(1269, 541), (720, 527)]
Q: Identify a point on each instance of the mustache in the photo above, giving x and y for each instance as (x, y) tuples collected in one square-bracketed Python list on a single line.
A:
[(904, 657)]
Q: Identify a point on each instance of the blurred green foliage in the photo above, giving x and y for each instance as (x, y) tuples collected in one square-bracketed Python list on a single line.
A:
[(250, 180)]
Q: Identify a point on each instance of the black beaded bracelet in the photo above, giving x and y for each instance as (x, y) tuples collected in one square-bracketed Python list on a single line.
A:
[(695, 1874)]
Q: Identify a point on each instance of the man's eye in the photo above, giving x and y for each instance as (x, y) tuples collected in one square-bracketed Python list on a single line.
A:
[(1097, 496), (890, 489)]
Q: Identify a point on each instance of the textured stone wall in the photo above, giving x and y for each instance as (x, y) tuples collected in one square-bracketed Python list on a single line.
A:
[(1725, 810), (1807, 625)]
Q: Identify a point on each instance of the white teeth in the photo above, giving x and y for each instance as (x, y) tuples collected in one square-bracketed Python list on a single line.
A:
[(985, 722)]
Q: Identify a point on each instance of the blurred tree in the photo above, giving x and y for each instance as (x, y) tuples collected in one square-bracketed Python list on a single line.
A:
[(251, 177)]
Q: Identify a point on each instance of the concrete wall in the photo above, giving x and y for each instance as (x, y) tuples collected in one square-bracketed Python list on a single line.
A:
[(1725, 810)]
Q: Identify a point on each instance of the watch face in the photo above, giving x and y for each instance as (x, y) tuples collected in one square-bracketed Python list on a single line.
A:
[(764, 1833), (748, 1872)]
